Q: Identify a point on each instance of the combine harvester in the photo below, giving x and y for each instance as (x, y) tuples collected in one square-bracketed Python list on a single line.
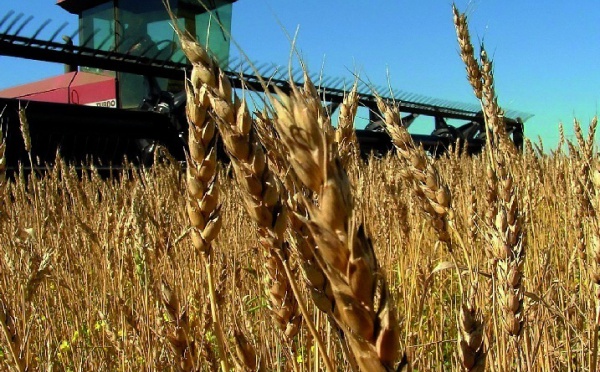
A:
[(122, 93)]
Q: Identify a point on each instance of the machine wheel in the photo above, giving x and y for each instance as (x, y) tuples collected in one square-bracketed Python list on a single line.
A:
[(448, 132), (452, 134)]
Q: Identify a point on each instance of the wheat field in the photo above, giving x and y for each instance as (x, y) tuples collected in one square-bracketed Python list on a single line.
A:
[(298, 255)]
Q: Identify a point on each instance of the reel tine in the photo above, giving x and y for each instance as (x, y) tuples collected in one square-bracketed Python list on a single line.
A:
[(6, 17), (58, 31), (22, 26), (39, 30), (13, 23)]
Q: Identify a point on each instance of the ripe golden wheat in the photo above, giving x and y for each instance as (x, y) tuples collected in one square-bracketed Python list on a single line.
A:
[(454, 263)]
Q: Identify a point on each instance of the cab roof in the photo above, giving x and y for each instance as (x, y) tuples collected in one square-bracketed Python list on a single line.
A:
[(78, 6)]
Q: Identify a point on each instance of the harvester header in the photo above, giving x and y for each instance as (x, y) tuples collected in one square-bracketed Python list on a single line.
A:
[(129, 66)]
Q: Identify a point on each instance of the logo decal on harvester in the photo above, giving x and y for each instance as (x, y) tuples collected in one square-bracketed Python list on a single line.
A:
[(112, 103)]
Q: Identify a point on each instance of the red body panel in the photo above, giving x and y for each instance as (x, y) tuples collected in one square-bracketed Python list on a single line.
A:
[(92, 89), (80, 88)]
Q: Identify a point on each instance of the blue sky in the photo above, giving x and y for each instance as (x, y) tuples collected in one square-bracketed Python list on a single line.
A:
[(545, 52)]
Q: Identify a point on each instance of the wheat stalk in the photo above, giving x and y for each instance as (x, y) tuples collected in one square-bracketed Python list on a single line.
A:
[(11, 335), (595, 269)]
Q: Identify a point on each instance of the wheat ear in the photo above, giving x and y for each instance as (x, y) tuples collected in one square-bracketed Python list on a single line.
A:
[(466, 52), (434, 195), (40, 269), (508, 247), (494, 115), (246, 353), (344, 251), (180, 337), (481, 77), (203, 193), (471, 350), (585, 154), (300, 236), (473, 68), (580, 203), (261, 191), (436, 199), (506, 227), (345, 135)]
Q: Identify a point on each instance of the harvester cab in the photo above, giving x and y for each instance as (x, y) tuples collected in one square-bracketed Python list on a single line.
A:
[(144, 29)]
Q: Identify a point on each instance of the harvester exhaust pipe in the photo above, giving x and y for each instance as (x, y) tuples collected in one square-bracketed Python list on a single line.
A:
[(69, 47)]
